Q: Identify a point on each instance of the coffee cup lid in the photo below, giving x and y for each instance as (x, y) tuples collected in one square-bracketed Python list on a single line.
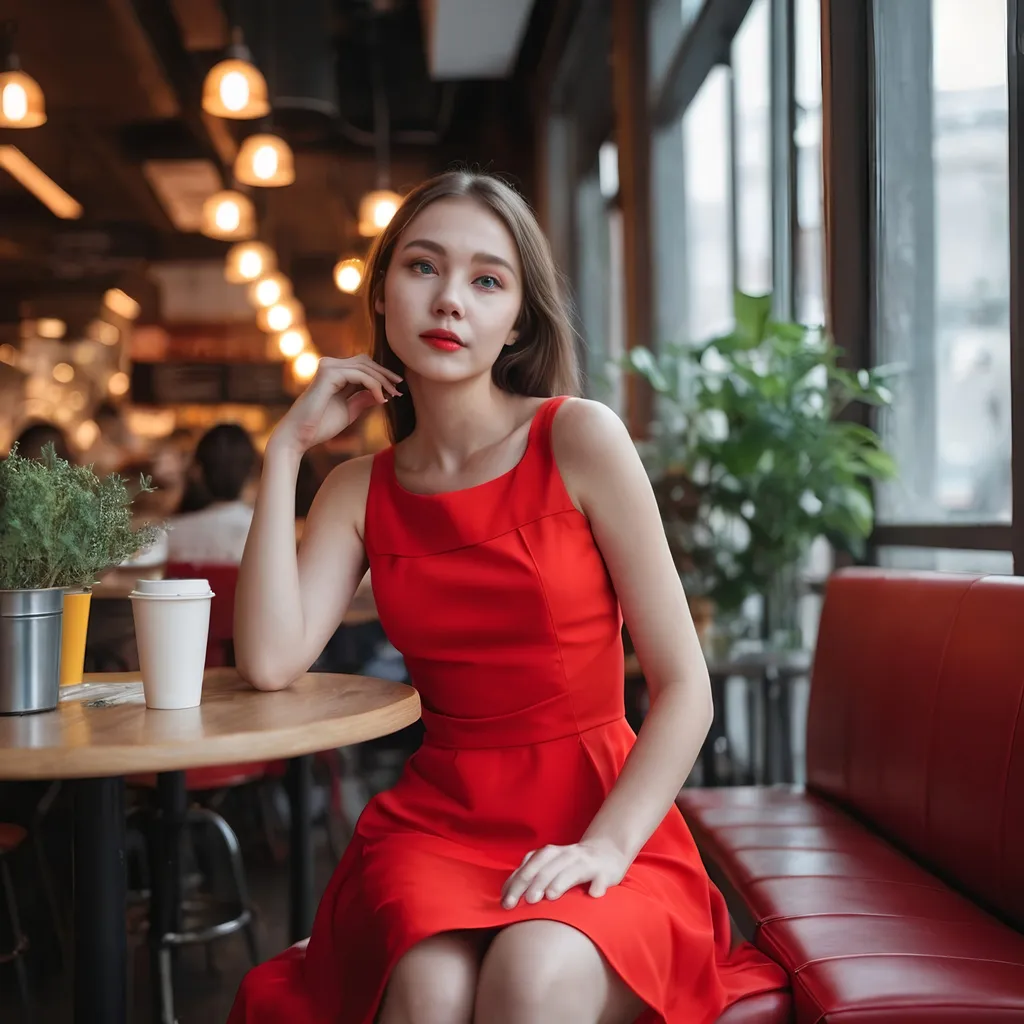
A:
[(172, 588)]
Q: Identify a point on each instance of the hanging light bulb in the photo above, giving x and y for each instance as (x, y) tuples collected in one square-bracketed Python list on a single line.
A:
[(348, 275), (234, 87), (293, 341), (304, 366), (228, 215), (248, 261), (376, 210), (279, 317), (269, 290), (21, 98), (266, 161)]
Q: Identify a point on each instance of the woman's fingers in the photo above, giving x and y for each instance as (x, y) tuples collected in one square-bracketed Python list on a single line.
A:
[(571, 875), (524, 875)]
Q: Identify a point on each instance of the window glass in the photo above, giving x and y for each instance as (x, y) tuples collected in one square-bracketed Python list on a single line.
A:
[(706, 163), (667, 22), (947, 560), (943, 298), (810, 214), (752, 85)]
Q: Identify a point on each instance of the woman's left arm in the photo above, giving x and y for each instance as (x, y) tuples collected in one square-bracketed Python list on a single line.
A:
[(608, 484)]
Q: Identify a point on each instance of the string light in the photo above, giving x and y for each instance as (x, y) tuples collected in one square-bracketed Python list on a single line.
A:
[(348, 275)]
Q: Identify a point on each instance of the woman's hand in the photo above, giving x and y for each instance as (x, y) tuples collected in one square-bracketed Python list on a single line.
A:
[(340, 391), (551, 871)]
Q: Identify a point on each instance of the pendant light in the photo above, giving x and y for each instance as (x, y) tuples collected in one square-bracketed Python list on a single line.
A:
[(376, 210), (305, 365), (249, 261), (269, 290), (234, 87), (266, 161), (293, 341), (348, 275), (279, 317), (21, 98), (228, 215)]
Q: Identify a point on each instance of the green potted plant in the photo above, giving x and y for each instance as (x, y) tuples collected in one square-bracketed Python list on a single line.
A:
[(751, 457), (60, 527)]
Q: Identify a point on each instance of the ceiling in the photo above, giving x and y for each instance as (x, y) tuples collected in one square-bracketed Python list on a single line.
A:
[(126, 136)]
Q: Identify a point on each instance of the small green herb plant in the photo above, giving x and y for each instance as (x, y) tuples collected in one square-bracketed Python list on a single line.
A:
[(62, 525), (750, 456)]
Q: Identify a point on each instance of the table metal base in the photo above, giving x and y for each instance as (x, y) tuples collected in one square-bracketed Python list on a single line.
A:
[(101, 943)]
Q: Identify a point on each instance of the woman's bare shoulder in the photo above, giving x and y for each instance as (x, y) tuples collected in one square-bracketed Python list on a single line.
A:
[(343, 493)]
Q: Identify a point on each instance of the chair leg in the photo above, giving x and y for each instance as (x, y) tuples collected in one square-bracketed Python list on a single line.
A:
[(230, 840), (166, 983), (20, 939)]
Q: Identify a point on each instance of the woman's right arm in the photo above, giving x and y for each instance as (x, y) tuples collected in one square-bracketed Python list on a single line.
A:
[(288, 603)]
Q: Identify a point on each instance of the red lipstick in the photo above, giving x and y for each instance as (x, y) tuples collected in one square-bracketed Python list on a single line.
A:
[(446, 341)]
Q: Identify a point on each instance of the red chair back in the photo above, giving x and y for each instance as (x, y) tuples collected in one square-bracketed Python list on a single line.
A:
[(223, 581)]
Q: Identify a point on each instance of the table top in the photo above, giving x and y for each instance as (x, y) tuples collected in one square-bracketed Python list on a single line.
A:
[(234, 723)]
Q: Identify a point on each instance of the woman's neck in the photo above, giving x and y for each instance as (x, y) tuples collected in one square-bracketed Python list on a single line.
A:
[(455, 422)]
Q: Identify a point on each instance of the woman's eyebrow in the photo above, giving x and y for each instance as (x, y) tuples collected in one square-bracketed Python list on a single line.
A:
[(479, 257)]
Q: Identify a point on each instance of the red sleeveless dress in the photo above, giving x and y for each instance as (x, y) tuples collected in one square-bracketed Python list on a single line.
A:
[(499, 600)]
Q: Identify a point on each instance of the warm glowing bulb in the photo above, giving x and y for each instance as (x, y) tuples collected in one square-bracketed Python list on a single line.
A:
[(118, 383), (291, 343), (86, 434), (383, 212), (348, 275), (228, 216), (64, 373), (279, 317), (305, 365), (264, 162), (234, 91), (250, 266), (268, 291), (14, 101)]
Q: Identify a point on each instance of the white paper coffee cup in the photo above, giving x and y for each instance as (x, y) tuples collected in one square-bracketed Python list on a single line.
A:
[(172, 624)]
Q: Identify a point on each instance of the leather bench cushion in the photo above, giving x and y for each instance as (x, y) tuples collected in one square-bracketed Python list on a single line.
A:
[(860, 927)]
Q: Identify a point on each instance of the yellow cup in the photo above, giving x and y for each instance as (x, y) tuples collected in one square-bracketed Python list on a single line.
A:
[(74, 628)]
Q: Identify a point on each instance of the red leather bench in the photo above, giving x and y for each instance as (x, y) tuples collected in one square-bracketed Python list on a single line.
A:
[(892, 887)]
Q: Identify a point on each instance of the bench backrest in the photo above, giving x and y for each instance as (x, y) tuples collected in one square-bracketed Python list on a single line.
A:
[(916, 720)]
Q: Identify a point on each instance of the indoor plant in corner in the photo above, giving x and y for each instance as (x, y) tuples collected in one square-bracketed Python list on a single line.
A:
[(60, 527), (751, 457)]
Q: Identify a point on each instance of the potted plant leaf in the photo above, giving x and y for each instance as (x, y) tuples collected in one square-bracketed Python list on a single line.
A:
[(60, 527), (751, 456)]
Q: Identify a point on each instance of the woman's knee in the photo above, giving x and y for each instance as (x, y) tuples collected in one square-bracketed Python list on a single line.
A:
[(434, 982), (541, 971)]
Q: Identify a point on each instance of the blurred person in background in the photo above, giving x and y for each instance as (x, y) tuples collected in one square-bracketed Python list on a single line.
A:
[(31, 441), (213, 529), (114, 446)]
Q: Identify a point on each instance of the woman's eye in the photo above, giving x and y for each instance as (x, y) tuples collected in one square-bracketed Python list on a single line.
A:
[(421, 267), (489, 282)]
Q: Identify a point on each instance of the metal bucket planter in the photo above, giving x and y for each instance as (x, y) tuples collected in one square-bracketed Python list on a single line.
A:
[(30, 639)]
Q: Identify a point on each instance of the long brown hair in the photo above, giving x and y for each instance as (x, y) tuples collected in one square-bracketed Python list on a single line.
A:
[(542, 362)]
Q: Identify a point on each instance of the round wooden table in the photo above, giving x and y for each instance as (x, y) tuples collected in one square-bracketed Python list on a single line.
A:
[(103, 731)]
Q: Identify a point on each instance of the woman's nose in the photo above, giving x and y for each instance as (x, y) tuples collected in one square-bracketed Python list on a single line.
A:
[(449, 303)]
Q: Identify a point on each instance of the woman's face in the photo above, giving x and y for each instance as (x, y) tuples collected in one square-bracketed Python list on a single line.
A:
[(452, 292)]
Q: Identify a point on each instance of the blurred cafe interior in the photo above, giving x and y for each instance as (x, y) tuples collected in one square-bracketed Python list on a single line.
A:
[(792, 235)]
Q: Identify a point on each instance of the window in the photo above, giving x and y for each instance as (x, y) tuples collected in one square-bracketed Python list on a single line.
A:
[(947, 560), (600, 276), (753, 166), (810, 240), (668, 22), (708, 201), (942, 258)]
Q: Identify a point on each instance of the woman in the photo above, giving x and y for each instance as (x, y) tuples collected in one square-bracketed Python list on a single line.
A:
[(213, 519), (529, 866)]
